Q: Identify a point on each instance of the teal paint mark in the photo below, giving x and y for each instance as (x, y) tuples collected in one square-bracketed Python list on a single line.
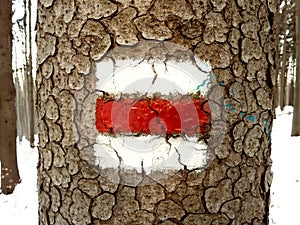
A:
[(222, 83), (233, 93), (201, 85), (267, 125), (209, 78), (251, 118), (230, 107)]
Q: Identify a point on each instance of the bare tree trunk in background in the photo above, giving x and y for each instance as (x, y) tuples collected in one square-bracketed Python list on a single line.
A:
[(31, 104), (236, 37), (291, 93), (283, 73), (296, 117), (9, 169), (277, 63), (26, 110), (26, 113)]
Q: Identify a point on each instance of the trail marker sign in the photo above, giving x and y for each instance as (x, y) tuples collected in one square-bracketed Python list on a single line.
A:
[(153, 110)]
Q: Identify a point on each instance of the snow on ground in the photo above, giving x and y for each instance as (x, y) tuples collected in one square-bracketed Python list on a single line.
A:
[(21, 207), (285, 189)]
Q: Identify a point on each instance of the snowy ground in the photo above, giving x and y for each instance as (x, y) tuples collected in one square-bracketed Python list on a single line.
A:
[(21, 207), (285, 190)]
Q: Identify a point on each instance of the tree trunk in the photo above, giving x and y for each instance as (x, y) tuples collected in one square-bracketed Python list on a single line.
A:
[(277, 63), (237, 39), (291, 92), (296, 116), (283, 73), (30, 84), (9, 169)]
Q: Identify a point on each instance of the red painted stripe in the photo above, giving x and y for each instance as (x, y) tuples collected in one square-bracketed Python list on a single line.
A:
[(153, 116)]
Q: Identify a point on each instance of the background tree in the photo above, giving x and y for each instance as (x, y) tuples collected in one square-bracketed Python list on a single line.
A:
[(31, 86), (286, 59), (287, 62), (296, 117), (23, 69), (236, 37), (8, 132)]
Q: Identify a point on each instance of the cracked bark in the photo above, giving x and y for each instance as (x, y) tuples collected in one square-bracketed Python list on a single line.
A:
[(235, 36)]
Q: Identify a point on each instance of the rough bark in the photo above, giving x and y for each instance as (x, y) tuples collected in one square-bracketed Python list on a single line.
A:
[(236, 37), (9, 169)]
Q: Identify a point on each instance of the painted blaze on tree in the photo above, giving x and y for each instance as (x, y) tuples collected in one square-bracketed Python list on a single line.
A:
[(235, 37), (153, 114), (181, 115)]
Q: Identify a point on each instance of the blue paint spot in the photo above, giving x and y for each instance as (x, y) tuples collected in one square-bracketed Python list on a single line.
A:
[(267, 124), (242, 113), (222, 83), (209, 78), (233, 93), (267, 127), (230, 107), (201, 85), (251, 118)]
